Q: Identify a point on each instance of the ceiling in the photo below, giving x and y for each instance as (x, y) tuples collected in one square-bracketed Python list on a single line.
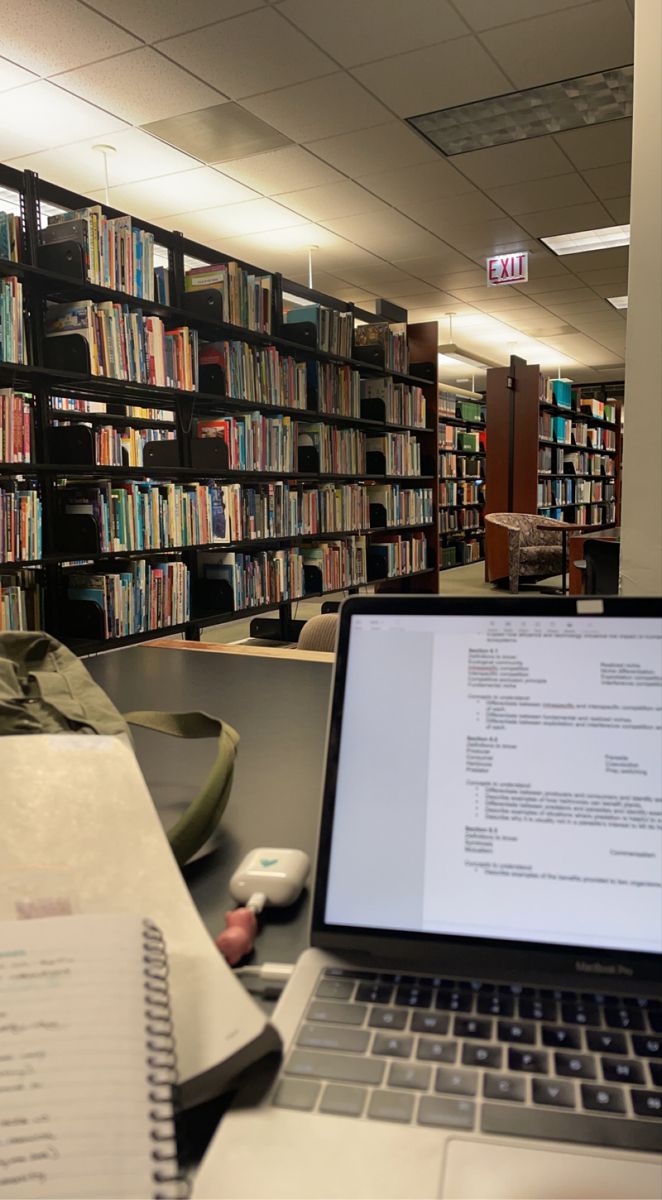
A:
[(334, 79)]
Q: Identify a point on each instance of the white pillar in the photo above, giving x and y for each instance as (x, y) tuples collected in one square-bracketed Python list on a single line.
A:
[(641, 516)]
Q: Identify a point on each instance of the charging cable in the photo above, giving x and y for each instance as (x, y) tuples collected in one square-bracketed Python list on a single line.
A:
[(265, 876)]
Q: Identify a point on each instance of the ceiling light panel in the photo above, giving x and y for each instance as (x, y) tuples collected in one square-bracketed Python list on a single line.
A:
[(569, 104), (588, 240), (617, 301)]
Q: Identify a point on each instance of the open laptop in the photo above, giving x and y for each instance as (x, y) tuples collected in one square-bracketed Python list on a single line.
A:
[(480, 1014)]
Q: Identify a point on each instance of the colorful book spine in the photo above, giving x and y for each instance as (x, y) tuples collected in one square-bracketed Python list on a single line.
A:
[(15, 427)]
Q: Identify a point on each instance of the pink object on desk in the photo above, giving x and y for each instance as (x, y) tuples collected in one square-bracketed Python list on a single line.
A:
[(238, 937)]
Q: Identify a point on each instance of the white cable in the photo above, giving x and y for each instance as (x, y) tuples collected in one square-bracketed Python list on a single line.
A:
[(270, 972), (257, 902)]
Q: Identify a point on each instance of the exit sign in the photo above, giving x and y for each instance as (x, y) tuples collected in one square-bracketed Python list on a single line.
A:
[(507, 268)]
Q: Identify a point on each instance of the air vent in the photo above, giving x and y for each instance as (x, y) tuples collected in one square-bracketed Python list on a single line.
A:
[(218, 134), (569, 104)]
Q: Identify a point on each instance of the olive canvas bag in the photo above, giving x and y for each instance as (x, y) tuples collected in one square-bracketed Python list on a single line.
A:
[(45, 688)]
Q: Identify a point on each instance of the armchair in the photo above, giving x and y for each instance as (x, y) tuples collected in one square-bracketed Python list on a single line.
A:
[(536, 545)]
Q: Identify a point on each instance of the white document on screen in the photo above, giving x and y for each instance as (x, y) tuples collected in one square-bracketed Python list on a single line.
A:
[(544, 818)]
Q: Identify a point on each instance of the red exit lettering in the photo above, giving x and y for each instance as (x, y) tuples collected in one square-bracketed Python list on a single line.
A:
[(507, 268)]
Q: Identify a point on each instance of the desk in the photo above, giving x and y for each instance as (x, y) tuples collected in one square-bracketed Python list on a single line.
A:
[(279, 707), (576, 577)]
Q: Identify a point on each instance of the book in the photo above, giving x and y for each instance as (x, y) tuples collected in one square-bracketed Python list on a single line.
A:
[(87, 1102), (20, 520), (10, 236), (124, 344), (15, 426), (13, 347), (117, 253), (333, 326), (63, 854), (141, 596), (391, 339), (246, 296), (21, 600)]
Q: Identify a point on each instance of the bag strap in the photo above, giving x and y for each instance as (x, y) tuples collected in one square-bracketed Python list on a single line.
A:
[(202, 816)]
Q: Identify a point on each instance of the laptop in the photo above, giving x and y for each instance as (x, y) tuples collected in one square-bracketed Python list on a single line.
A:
[(480, 1011)]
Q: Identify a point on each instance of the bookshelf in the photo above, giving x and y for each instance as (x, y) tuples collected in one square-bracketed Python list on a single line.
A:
[(263, 467), (462, 451), (554, 449)]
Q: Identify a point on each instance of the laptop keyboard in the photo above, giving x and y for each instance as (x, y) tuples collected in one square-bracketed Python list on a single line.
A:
[(502, 1059)]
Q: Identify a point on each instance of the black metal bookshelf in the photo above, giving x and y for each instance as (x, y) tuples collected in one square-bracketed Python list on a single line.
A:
[(455, 544), (55, 273)]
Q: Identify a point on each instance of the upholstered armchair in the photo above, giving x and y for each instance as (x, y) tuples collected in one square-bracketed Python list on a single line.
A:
[(535, 545)]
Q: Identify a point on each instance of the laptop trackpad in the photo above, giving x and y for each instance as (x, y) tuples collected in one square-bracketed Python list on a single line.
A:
[(478, 1170)]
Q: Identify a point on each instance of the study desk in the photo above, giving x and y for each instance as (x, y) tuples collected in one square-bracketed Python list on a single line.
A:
[(577, 541), (278, 704)]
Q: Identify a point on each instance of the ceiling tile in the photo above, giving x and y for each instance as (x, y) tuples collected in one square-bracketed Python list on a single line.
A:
[(486, 14), (598, 145), (376, 149), (139, 156), (320, 108), (609, 275), (575, 41), (342, 199), (576, 296), (253, 216), (578, 308), (446, 280), (609, 182), (56, 35), (428, 181), (389, 235), (590, 259), (584, 349), (558, 190), (565, 220), (430, 299), (281, 170), (482, 238), (437, 77), (139, 87), (242, 55), (154, 19), (48, 117), (619, 209), (444, 213), (12, 76), (535, 158), (358, 33), (186, 191), (354, 295), (382, 279), (549, 283)]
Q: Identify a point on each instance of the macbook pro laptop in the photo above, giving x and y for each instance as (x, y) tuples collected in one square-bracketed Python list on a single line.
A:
[(480, 1012)]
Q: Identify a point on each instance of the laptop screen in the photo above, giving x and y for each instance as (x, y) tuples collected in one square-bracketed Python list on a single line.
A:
[(500, 777)]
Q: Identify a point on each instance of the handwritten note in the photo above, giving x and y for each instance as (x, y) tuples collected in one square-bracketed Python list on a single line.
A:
[(77, 1106)]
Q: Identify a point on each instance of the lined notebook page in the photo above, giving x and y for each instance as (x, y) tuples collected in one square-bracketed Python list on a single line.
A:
[(85, 1061)]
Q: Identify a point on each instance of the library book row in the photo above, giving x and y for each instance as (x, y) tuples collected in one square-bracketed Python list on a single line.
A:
[(571, 491), (567, 431), (463, 466), (460, 520), (556, 461), (104, 518), (123, 343), (453, 494), (458, 553), (117, 253), (562, 395), (593, 516), (140, 596)]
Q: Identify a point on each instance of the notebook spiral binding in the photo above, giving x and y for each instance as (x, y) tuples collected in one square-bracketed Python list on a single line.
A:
[(169, 1182)]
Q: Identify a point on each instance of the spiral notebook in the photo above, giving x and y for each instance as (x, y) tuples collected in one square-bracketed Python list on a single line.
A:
[(87, 1060)]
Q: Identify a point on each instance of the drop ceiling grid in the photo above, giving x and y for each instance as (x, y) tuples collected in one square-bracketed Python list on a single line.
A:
[(472, 188)]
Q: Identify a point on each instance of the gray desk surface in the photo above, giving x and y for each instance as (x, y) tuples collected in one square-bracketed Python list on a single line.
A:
[(279, 707)]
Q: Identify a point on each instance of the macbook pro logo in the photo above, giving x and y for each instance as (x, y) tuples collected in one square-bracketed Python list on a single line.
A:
[(598, 968)]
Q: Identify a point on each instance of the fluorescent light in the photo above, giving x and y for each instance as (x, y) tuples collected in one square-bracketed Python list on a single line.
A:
[(453, 353), (618, 301), (589, 239), (534, 112)]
